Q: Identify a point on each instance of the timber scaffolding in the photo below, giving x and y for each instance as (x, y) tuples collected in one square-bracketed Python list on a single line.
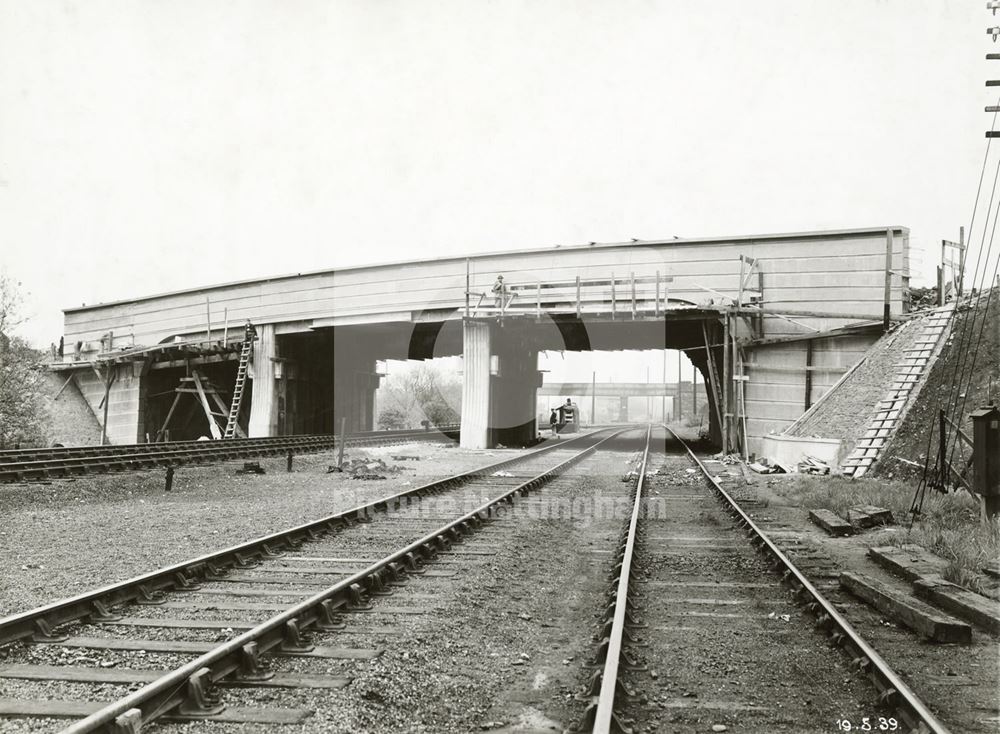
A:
[(731, 325), (178, 353)]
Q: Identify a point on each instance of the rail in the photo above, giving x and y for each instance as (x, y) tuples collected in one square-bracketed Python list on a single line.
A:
[(604, 713), (35, 464), (173, 689), (146, 586), (891, 687)]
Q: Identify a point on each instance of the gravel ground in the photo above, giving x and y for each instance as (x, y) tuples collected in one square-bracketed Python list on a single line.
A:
[(960, 683), (69, 536), (362, 541), (501, 643), (498, 645)]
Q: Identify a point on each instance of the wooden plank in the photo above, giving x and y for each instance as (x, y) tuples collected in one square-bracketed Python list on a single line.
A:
[(912, 613), (979, 610), (132, 675), (199, 648), (18, 708), (910, 561), (831, 522), (290, 580)]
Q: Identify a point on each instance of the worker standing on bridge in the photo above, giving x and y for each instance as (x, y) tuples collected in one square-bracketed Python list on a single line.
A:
[(500, 293)]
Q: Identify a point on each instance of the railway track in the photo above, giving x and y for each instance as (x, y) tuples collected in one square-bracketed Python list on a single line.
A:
[(20, 465), (712, 625), (175, 636)]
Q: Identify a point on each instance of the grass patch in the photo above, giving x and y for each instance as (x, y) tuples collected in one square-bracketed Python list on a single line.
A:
[(949, 527)]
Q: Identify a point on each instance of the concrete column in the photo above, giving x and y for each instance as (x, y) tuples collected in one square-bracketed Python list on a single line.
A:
[(514, 415), (354, 386), (475, 384), (498, 408), (126, 400), (264, 402)]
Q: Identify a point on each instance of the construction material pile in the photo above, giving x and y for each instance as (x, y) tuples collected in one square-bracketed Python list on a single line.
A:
[(365, 468)]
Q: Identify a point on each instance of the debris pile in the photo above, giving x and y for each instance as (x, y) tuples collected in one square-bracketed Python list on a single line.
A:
[(764, 467), (812, 465), (369, 469), (728, 458), (251, 467)]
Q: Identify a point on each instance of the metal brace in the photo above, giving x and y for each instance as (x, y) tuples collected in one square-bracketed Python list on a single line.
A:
[(268, 553), (376, 586), (214, 573), (294, 640), (413, 563), (241, 561), (44, 633), (252, 667), (149, 598), (357, 600), (101, 613), (128, 723), (183, 583), (328, 620), (201, 699)]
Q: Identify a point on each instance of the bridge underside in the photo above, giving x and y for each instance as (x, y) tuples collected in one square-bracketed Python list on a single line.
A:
[(323, 380)]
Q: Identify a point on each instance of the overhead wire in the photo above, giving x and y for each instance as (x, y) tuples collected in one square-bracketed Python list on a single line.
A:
[(917, 503)]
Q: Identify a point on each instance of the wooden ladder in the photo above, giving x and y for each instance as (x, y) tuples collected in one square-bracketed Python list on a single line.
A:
[(232, 424), (889, 411)]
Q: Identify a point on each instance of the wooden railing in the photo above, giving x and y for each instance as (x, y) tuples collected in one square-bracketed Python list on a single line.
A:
[(622, 297)]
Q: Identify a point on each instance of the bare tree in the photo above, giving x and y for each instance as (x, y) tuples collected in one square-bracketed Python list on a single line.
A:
[(22, 375), (418, 394)]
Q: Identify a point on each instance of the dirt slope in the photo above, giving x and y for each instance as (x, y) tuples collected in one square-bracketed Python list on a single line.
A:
[(911, 440)]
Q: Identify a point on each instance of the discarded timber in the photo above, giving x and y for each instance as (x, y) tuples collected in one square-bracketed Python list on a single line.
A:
[(975, 608), (914, 614), (831, 522)]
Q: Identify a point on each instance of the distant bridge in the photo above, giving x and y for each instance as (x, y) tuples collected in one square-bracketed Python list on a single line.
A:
[(614, 389)]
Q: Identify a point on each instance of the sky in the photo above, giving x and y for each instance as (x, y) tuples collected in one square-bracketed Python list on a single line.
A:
[(148, 146)]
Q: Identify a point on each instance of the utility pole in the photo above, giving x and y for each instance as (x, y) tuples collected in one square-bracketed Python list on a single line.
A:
[(649, 398), (957, 268), (694, 390), (663, 407), (680, 397), (593, 398)]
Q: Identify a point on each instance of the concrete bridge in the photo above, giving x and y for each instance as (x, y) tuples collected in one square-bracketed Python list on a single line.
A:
[(771, 322)]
